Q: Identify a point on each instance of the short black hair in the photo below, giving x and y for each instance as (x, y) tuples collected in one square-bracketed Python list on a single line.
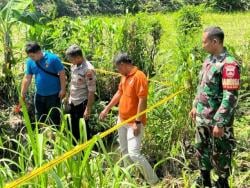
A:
[(32, 47), (74, 51), (123, 58), (215, 32)]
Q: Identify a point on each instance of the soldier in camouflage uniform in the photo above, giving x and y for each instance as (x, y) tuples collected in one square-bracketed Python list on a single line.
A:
[(213, 109)]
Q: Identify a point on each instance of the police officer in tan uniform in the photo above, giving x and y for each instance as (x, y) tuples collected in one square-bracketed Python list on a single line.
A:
[(82, 89)]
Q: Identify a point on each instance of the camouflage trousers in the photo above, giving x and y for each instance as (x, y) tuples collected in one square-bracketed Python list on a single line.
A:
[(214, 153)]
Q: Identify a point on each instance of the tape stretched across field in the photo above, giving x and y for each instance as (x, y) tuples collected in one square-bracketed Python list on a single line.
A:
[(118, 74), (81, 147)]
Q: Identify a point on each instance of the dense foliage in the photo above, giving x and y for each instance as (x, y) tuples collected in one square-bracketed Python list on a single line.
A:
[(167, 48), (58, 8)]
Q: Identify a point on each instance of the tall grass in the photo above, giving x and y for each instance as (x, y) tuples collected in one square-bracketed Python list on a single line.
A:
[(169, 134), (87, 169)]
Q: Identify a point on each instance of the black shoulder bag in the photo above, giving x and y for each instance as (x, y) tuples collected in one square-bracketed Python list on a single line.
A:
[(50, 73)]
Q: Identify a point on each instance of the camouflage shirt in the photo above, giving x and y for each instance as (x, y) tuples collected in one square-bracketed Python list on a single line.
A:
[(217, 91)]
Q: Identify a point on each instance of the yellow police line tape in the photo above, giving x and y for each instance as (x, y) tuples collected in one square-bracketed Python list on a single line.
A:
[(81, 147), (118, 74)]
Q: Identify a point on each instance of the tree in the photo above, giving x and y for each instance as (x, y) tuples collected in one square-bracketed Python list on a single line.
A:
[(14, 11), (9, 15)]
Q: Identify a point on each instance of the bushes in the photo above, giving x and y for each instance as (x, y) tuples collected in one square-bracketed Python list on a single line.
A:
[(101, 40), (140, 38), (189, 20), (169, 132), (73, 8), (175, 54), (231, 5)]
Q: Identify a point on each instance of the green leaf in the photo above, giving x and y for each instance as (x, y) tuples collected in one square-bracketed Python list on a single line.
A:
[(14, 9), (59, 183)]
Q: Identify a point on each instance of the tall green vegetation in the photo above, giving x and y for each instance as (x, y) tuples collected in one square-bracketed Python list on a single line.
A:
[(102, 40), (171, 135), (96, 168), (73, 8), (12, 13), (140, 38), (168, 49)]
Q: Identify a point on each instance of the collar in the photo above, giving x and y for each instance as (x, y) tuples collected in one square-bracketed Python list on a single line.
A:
[(132, 72), (44, 57), (80, 66), (220, 57)]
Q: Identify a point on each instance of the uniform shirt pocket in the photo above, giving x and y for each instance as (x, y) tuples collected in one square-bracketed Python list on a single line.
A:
[(211, 74), (80, 80)]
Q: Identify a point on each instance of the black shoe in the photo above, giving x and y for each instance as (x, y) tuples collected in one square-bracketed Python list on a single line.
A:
[(204, 180), (222, 183)]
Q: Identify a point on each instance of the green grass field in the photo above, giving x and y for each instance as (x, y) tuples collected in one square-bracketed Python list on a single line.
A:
[(168, 125)]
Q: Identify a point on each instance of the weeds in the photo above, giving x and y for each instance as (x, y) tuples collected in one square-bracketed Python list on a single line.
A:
[(169, 136)]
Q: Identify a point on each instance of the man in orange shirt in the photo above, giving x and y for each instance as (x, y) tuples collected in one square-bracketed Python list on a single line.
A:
[(132, 98)]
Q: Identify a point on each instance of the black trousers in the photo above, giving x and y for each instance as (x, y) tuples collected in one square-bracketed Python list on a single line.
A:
[(76, 112), (43, 105)]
